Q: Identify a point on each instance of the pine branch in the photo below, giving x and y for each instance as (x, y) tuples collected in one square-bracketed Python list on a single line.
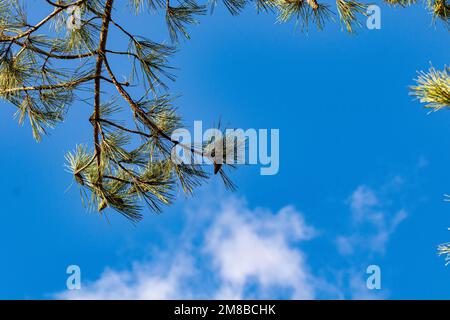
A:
[(98, 70), (131, 161), (433, 89), (44, 21)]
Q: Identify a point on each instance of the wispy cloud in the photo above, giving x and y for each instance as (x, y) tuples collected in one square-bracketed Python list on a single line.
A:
[(151, 281), (242, 254), (258, 248), (373, 223), (231, 251)]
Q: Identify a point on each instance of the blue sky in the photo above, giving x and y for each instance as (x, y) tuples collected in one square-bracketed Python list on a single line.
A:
[(363, 170)]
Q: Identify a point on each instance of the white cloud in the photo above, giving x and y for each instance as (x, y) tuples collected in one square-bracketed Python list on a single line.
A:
[(243, 254), (346, 244), (248, 247), (147, 281), (373, 224), (233, 252), (362, 200)]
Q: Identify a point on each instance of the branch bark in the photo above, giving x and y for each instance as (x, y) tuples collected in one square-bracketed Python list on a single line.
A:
[(106, 18)]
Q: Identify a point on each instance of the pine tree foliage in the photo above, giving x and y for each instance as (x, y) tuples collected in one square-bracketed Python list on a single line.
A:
[(444, 249), (64, 58), (433, 89), (402, 3)]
